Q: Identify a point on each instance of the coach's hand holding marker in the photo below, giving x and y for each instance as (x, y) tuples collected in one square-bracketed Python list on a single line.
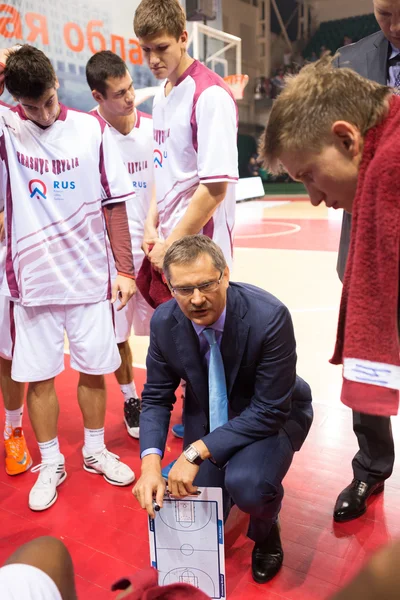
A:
[(123, 289), (151, 486)]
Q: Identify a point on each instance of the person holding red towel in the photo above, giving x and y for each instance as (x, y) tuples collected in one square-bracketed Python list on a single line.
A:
[(339, 134)]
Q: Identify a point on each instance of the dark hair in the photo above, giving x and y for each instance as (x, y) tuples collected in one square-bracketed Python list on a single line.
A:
[(28, 73), (186, 250), (153, 17), (102, 65)]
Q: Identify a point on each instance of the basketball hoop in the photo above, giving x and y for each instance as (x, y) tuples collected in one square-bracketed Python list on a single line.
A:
[(237, 83)]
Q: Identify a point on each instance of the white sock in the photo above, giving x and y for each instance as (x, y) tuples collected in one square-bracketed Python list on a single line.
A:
[(49, 451), (94, 440), (129, 391), (13, 420)]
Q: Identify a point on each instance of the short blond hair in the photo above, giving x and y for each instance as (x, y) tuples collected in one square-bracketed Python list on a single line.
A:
[(156, 16), (312, 101)]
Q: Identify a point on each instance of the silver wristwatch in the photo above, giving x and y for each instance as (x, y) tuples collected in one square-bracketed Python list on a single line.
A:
[(192, 455)]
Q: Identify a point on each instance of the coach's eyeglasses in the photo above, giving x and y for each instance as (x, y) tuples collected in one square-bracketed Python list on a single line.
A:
[(205, 288)]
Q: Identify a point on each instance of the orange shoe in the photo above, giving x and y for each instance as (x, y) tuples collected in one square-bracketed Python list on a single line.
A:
[(18, 459)]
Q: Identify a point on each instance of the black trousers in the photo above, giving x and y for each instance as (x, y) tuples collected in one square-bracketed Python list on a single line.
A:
[(375, 458)]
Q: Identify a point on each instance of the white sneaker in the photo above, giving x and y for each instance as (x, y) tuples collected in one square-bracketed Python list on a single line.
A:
[(108, 464), (44, 492)]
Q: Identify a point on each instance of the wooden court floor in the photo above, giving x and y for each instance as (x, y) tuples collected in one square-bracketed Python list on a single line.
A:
[(289, 248)]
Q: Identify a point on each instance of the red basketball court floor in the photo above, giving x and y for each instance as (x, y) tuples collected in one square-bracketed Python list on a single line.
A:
[(287, 247)]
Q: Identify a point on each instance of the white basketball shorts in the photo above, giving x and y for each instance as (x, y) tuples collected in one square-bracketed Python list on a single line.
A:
[(24, 582), (123, 320), (5, 328), (39, 340)]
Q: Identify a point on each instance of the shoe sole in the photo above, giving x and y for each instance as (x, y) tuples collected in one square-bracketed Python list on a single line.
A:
[(54, 499), (360, 514), (111, 481), (20, 472), (132, 431)]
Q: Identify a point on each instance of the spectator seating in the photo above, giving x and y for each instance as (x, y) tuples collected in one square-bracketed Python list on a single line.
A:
[(331, 33)]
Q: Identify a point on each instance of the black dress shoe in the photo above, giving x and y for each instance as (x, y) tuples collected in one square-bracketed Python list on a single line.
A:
[(267, 557), (352, 502)]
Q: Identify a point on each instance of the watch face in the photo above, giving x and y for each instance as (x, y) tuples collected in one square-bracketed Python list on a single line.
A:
[(191, 453)]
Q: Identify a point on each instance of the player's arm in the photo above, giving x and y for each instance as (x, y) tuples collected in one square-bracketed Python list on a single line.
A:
[(4, 53), (2, 230), (116, 191), (158, 399), (202, 206), (3, 59), (3, 186), (150, 234), (200, 210), (116, 219)]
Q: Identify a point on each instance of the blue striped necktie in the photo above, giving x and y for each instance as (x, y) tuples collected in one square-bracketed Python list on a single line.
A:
[(393, 62), (218, 398)]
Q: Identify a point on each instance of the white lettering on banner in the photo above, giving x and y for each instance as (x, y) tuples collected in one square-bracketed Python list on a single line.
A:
[(366, 371)]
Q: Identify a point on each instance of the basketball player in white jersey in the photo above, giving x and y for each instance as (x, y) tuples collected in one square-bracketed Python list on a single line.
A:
[(63, 177), (195, 120), (17, 456), (112, 89)]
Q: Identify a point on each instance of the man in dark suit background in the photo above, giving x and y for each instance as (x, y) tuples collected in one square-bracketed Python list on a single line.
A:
[(376, 57), (268, 407)]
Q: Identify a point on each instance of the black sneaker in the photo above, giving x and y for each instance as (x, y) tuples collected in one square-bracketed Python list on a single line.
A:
[(132, 410)]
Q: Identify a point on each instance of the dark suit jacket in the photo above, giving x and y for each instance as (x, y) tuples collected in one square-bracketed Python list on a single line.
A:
[(259, 353), (368, 57)]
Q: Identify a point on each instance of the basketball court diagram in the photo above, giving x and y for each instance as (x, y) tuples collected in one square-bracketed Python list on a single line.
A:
[(186, 542)]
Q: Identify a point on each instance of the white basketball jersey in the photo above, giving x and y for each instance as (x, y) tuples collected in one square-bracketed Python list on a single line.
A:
[(58, 180), (195, 135), (136, 149)]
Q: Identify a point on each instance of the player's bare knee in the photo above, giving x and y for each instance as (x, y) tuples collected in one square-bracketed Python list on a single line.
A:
[(41, 388), (40, 552), (91, 381), (5, 367), (125, 352)]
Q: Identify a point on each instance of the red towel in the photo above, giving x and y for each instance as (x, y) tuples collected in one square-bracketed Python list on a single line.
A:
[(368, 338), (152, 285), (145, 587)]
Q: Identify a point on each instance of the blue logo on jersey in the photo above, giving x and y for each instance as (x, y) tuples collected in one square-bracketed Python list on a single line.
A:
[(37, 188), (64, 185), (140, 184), (159, 158)]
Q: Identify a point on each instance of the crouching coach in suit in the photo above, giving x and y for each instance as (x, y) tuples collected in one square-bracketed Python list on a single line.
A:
[(246, 411)]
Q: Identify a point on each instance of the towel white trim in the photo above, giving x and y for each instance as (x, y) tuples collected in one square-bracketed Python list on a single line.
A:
[(372, 373)]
